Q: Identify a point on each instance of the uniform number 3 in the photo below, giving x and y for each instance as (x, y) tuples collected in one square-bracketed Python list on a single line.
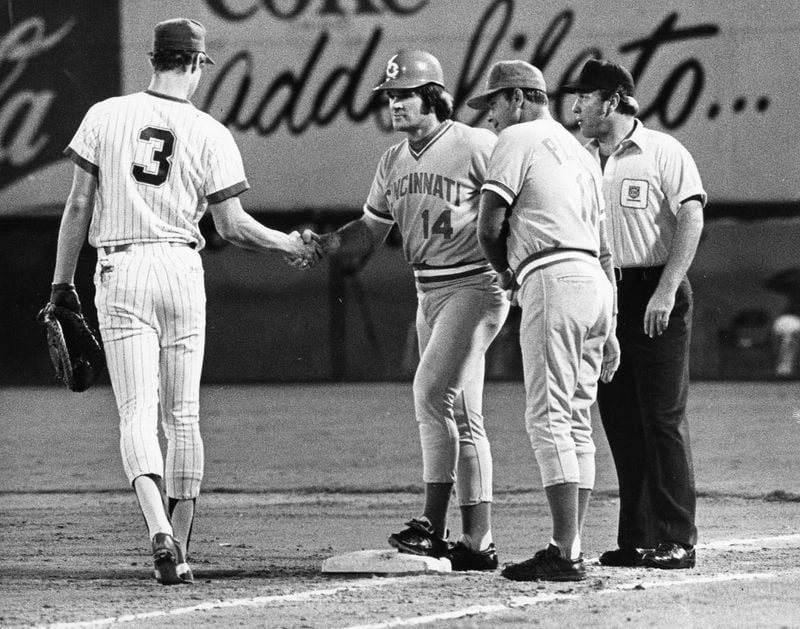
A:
[(441, 225), (161, 144)]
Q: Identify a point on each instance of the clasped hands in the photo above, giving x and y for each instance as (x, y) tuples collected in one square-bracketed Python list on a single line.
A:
[(306, 250)]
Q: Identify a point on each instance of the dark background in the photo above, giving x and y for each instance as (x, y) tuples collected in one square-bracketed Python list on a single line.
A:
[(268, 322)]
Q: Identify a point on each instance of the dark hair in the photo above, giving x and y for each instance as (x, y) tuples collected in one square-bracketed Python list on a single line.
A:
[(435, 98), (166, 60)]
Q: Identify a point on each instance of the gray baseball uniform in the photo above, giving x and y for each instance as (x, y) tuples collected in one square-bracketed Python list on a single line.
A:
[(542, 172)]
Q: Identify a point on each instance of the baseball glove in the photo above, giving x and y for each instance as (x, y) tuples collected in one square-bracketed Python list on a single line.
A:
[(74, 347)]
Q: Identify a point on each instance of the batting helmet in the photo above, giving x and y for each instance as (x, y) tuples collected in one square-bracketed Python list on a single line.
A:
[(411, 68)]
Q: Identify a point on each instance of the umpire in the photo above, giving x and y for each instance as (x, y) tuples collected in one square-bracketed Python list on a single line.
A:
[(654, 198)]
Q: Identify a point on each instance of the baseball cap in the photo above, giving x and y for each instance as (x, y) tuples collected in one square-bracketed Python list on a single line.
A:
[(506, 74), (181, 34), (597, 74)]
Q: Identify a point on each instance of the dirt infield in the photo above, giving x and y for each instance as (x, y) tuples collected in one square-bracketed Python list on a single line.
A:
[(298, 474)]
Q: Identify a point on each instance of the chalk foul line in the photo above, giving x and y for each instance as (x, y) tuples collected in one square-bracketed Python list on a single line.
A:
[(518, 602)]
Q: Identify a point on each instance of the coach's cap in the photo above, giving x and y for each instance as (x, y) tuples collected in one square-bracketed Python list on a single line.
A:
[(508, 74), (182, 35), (597, 74)]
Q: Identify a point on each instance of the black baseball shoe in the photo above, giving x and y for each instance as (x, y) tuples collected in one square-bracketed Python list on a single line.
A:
[(419, 539), (546, 565), (625, 557), (671, 556), (170, 566), (462, 557)]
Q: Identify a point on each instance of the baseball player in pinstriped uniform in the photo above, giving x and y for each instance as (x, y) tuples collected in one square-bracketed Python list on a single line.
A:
[(654, 198), (429, 185), (542, 227), (147, 166)]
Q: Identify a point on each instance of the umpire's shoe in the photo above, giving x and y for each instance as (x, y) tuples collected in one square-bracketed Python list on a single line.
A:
[(671, 556), (462, 557), (625, 557), (419, 539), (546, 565), (170, 566)]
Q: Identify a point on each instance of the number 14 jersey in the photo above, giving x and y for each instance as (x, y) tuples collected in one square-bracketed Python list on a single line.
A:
[(432, 193), (159, 161)]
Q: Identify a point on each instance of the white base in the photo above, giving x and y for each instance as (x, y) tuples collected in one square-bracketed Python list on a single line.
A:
[(387, 561)]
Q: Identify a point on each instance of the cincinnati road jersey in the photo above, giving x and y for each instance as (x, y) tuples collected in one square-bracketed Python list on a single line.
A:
[(176, 159), (541, 171), (645, 181), (433, 194)]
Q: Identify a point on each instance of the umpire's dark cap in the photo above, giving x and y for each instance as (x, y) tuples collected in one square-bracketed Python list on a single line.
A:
[(597, 74), (182, 35), (507, 74)]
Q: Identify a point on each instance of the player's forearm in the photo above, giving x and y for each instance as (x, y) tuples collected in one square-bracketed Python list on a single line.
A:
[(250, 234), (71, 237), (493, 230), (355, 239), (239, 228)]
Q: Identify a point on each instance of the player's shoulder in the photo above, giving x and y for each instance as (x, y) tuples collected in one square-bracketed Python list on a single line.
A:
[(471, 140), (111, 104), (480, 135), (210, 122)]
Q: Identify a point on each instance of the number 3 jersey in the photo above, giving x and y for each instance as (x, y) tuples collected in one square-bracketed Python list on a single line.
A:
[(541, 171), (432, 193), (159, 161)]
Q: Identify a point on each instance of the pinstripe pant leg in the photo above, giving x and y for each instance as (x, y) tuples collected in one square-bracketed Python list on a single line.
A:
[(182, 315), (132, 355)]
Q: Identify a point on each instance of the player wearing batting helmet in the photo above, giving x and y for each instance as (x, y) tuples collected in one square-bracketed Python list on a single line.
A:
[(162, 163), (428, 185)]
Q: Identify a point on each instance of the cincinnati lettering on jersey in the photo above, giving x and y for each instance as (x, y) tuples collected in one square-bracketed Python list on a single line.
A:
[(426, 183)]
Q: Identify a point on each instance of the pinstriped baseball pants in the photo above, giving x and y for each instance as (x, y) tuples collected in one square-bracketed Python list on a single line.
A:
[(151, 309), (456, 322)]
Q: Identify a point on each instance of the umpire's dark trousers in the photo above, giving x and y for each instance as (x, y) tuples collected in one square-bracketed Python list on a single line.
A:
[(643, 411)]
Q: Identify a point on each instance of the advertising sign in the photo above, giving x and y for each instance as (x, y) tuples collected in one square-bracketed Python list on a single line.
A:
[(293, 81)]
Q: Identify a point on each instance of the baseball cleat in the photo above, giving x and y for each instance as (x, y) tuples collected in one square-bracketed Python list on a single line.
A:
[(546, 565), (462, 557), (624, 557), (419, 539), (170, 565), (671, 556)]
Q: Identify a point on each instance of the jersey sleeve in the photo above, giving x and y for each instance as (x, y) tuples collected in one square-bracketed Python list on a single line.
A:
[(484, 145), (84, 146), (377, 207), (226, 177), (507, 167), (681, 178)]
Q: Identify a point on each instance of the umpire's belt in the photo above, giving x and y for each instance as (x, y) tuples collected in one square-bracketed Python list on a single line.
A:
[(130, 245), (639, 273), (425, 273), (543, 259)]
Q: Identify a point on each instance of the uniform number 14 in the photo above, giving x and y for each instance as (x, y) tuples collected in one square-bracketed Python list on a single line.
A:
[(441, 225)]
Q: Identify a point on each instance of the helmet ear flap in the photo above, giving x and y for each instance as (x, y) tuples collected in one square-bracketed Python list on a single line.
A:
[(409, 69)]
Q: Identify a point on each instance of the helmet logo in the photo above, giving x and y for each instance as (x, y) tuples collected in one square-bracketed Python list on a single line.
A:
[(392, 69)]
